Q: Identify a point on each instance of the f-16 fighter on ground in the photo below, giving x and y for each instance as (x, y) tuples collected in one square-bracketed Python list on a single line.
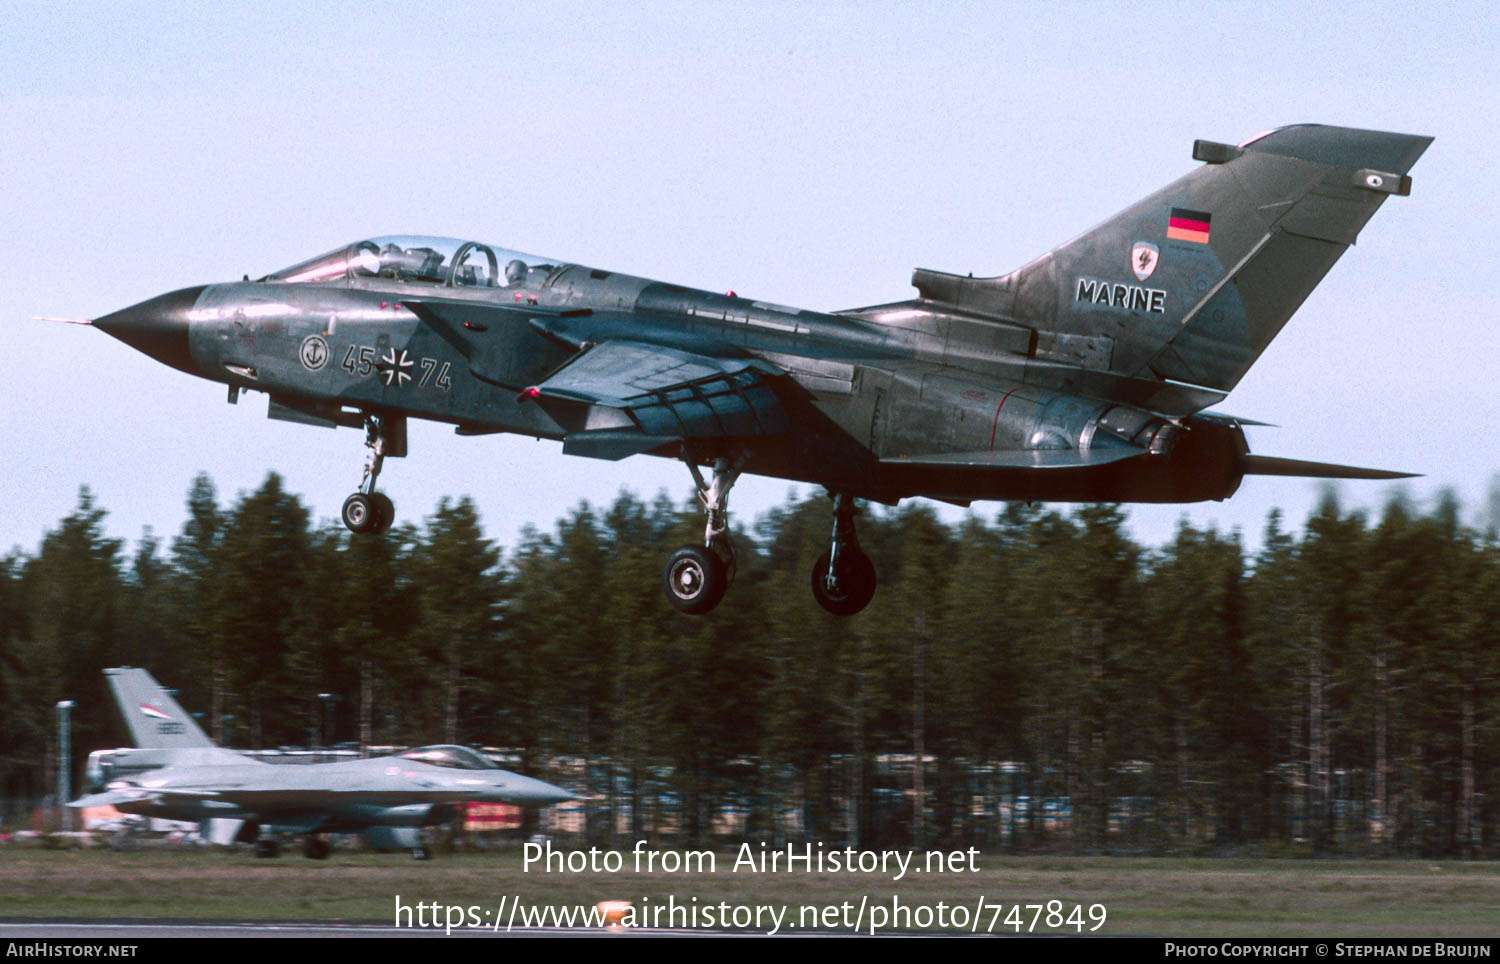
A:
[(1083, 376), (175, 772)]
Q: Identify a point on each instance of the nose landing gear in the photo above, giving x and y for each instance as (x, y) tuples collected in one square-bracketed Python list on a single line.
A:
[(367, 510)]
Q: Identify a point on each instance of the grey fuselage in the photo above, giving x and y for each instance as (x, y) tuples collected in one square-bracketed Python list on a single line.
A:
[(882, 384), (1081, 376), (323, 797)]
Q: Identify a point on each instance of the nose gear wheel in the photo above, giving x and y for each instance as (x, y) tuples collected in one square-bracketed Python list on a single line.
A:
[(369, 511)]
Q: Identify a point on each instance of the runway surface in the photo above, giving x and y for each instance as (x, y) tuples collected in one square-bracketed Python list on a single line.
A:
[(125, 931)]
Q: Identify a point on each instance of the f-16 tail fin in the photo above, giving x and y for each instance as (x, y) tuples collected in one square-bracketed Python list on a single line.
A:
[(1192, 283), (152, 716)]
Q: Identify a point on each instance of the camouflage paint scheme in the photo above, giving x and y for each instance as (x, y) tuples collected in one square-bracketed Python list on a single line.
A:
[(1082, 376)]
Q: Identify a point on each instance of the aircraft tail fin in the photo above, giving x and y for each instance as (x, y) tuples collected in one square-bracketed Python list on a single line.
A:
[(1193, 282), (153, 717)]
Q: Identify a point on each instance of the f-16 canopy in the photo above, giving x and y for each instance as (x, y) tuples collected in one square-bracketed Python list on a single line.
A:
[(420, 260), (455, 757)]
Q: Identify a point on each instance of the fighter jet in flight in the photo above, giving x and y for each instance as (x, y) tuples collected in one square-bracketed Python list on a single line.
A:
[(1083, 376), (176, 773)]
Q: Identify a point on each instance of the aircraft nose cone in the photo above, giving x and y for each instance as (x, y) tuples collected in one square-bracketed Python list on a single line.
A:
[(157, 326), (530, 792)]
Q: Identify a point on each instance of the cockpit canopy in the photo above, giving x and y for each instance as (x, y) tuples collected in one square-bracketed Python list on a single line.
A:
[(454, 757), (418, 260)]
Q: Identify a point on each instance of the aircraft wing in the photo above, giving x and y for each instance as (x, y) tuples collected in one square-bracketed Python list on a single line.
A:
[(112, 798), (669, 389), (108, 799), (668, 394)]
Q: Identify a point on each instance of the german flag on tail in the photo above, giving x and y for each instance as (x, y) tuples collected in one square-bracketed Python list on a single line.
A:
[(1185, 225)]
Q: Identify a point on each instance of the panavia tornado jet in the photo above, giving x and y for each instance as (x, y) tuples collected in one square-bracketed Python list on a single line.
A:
[(176, 773), (1083, 376)]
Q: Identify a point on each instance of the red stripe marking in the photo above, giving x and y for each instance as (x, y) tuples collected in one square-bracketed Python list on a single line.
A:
[(1187, 223), (996, 426)]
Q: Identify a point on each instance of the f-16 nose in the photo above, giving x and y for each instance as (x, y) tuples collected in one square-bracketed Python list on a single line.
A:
[(530, 792), (157, 326)]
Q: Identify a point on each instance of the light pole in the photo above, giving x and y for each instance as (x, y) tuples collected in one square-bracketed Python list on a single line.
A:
[(327, 700), (64, 763)]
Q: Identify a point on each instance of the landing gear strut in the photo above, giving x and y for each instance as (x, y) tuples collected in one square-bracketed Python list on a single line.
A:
[(423, 848), (695, 577), (843, 578), (368, 510)]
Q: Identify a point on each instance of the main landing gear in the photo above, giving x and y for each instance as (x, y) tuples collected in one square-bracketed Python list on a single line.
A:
[(843, 578), (695, 577), (314, 847), (368, 510)]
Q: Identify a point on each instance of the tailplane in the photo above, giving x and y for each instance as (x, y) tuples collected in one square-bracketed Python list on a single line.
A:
[(1270, 465)]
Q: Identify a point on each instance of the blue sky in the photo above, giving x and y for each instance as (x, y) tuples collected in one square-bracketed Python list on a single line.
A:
[(801, 154)]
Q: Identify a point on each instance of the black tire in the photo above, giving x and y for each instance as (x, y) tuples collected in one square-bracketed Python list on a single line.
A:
[(856, 583), (385, 511), (694, 579), (316, 848), (423, 852), (359, 513), (267, 848)]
